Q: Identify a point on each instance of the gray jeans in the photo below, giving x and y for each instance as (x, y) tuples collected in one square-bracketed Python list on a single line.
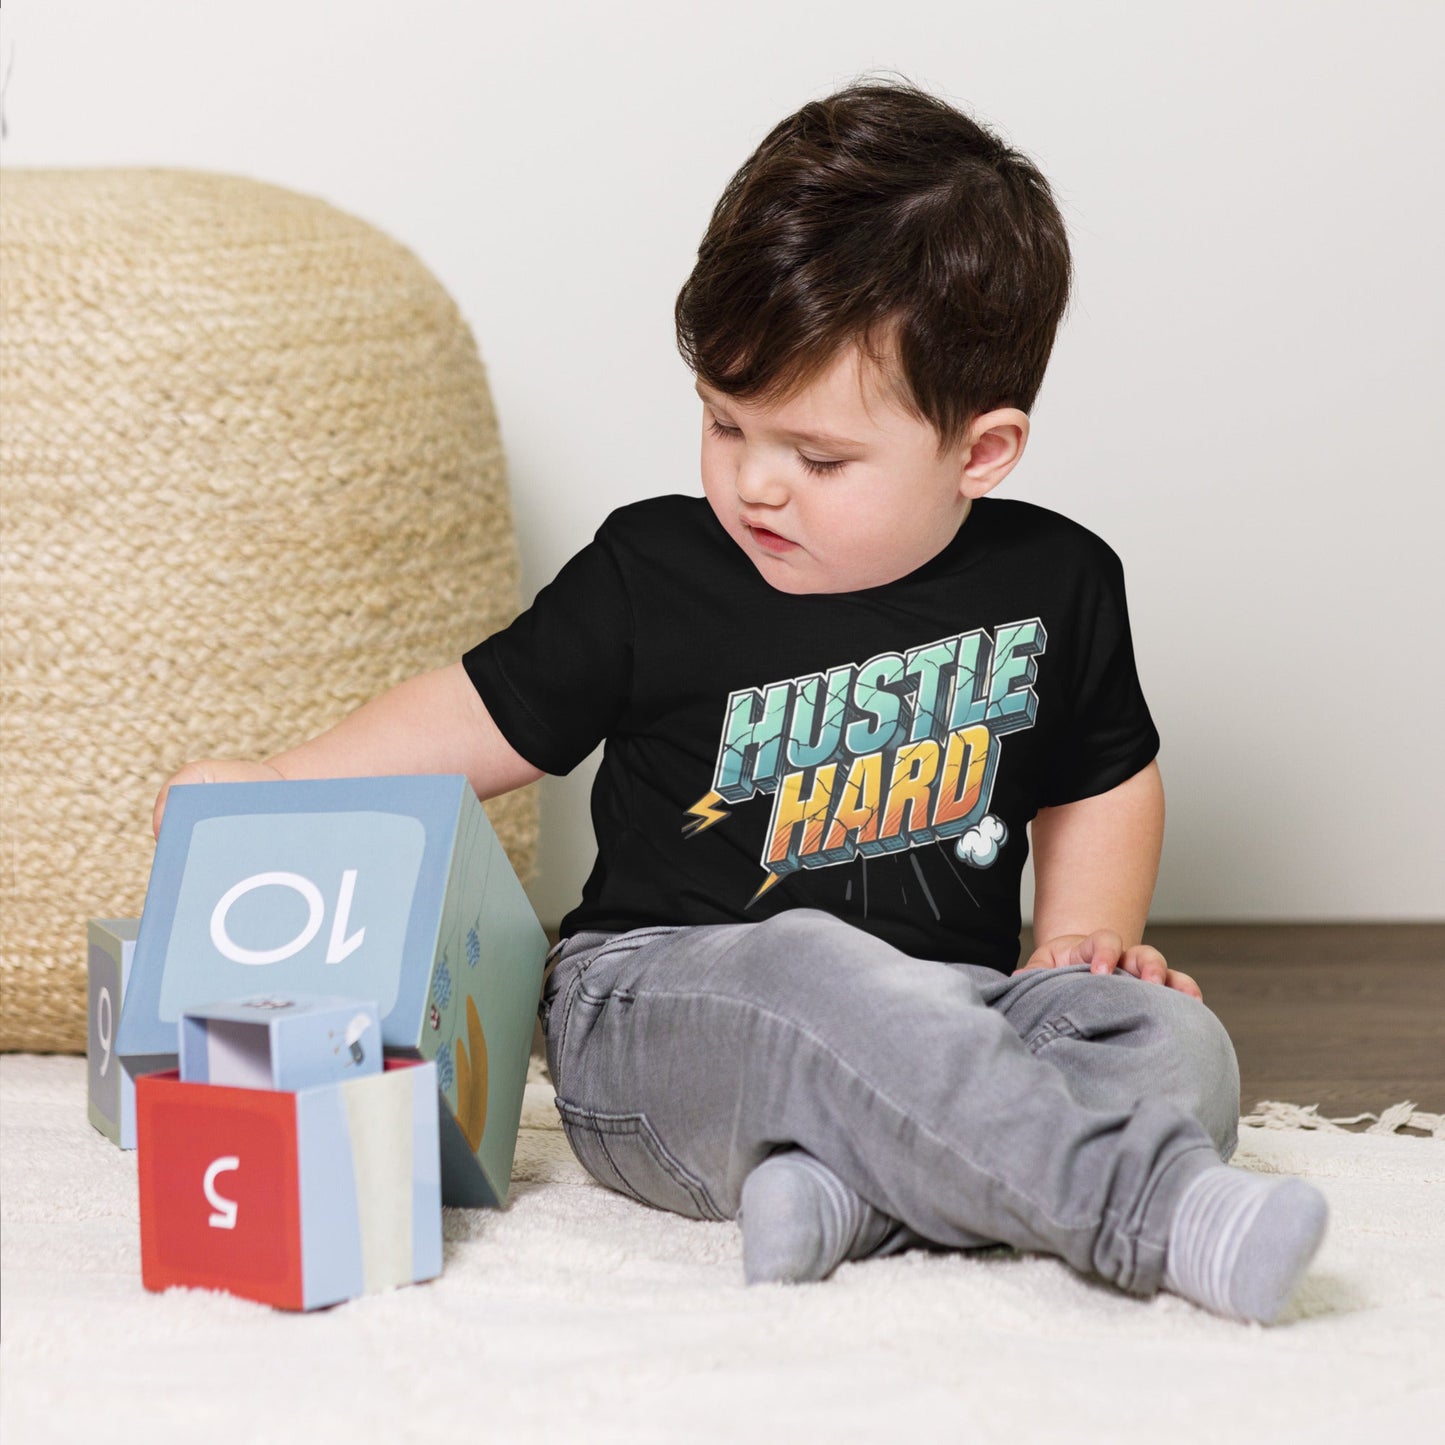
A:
[(1054, 1110)]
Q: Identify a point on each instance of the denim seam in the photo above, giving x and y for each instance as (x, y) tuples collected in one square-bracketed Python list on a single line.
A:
[(637, 1125), (1148, 1199), (652, 1142), (1061, 1027), (1050, 1030), (575, 989), (881, 1094), (621, 1177), (633, 938), (623, 1187)]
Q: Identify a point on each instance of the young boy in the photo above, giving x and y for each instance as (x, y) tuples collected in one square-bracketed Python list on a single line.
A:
[(834, 694)]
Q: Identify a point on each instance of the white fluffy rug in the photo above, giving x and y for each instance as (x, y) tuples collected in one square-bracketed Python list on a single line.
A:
[(579, 1316)]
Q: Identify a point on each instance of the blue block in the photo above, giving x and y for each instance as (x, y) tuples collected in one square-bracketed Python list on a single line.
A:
[(111, 1104), (280, 1042), (392, 889), (370, 1184), (299, 1199)]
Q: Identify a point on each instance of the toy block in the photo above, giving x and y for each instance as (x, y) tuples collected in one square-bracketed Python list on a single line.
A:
[(393, 889), (297, 1199), (111, 946), (286, 1044)]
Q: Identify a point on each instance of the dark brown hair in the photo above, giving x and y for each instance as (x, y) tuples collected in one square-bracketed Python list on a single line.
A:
[(882, 216)]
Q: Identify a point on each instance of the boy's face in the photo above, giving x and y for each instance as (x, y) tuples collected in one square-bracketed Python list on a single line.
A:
[(839, 489)]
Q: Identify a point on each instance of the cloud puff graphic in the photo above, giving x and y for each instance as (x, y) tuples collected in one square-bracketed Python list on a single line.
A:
[(979, 846)]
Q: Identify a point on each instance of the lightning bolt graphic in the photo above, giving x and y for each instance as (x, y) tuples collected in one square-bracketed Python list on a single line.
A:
[(768, 882), (704, 813)]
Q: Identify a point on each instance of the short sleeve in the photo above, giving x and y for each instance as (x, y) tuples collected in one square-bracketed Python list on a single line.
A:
[(1110, 734), (557, 679)]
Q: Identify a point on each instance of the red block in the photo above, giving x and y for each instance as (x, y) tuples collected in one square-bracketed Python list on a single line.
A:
[(219, 1196)]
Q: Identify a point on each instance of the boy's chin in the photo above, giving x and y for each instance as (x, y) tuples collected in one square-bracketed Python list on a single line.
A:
[(786, 575)]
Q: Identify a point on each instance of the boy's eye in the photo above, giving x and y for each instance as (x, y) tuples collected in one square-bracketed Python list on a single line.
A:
[(821, 466), (719, 430)]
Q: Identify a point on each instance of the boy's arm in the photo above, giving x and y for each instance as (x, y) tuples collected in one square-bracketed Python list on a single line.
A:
[(1095, 862), (433, 723)]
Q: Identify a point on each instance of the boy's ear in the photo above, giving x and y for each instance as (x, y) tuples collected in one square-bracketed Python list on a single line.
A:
[(991, 450)]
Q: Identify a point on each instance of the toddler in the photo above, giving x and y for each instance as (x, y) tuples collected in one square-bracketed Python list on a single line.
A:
[(835, 692)]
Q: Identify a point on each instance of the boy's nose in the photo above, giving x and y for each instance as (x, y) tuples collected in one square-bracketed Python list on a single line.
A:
[(760, 486)]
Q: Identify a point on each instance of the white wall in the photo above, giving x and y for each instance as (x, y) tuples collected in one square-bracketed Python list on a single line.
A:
[(1244, 400)]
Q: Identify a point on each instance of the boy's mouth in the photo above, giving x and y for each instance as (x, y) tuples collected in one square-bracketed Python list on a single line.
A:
[(769, 541)]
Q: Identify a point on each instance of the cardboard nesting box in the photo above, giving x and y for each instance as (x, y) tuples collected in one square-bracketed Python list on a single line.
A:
[(393, 889), (297, 1199), (280, 1043), (110, 946)]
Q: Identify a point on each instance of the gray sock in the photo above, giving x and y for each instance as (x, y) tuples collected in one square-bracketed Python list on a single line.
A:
[(1239, 1243), (800, 1221)]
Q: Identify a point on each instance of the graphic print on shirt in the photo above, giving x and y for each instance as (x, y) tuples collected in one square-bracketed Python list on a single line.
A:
[(890, 754)]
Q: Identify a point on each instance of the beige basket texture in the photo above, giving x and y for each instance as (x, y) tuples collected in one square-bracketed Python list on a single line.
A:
[(250, 476)]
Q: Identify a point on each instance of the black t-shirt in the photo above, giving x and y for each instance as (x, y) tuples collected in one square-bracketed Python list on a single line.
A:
[(876, 754)]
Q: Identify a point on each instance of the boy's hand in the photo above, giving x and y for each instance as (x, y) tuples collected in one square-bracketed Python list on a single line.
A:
[(213, 770), (1104, 951)]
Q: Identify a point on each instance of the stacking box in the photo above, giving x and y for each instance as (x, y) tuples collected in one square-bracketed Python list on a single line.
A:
[(111, 947), (392, 889), (280, 1043), (297, 1199)]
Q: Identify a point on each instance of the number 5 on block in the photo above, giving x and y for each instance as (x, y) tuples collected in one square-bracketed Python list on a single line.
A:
[(297, 1199)]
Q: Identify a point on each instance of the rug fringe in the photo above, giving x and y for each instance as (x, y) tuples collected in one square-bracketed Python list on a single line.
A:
[(1272, 1114)]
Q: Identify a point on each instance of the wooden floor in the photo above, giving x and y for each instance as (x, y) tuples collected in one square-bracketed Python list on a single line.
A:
[(1347, 1016), (1350, 1017)]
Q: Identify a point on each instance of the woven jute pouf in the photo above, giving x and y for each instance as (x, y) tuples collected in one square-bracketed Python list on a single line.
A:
[(251, 478)]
